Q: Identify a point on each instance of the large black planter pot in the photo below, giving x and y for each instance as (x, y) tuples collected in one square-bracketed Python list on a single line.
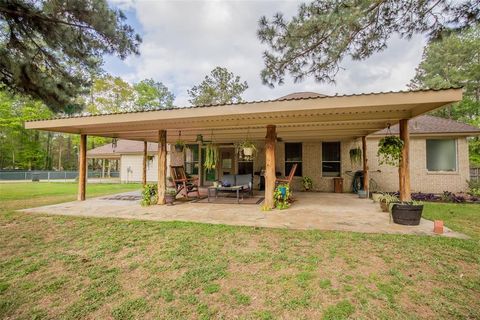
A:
[(407, 214)]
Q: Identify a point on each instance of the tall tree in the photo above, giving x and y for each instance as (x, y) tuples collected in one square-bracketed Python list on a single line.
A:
[(152, 95), (455, 61), (220, 87), (49, 48), (324, 32), (110, 94)]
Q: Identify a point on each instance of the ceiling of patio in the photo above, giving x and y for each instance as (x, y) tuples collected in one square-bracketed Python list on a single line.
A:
[(321, 118)]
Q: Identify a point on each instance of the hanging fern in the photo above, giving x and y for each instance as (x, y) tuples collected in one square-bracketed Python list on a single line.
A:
[(390, 150), (211, 156), (355, 156)]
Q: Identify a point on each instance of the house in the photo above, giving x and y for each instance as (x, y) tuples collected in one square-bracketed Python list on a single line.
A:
[(438, 153), (312, 130)]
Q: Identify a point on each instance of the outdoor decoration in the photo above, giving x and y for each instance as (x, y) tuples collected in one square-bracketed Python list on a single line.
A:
[(390, 150), (406, 213), (246, 149), (355, 155), (179, 144), (211, 156), (307, 183), (281, 196), (149, 195)]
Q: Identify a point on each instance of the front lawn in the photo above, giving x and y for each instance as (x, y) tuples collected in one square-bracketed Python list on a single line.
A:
[(71, 268)]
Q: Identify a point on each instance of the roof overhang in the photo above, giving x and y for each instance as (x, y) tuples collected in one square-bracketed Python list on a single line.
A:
[(332, 117)]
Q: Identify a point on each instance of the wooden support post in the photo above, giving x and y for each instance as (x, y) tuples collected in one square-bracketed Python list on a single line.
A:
[(366, 178), (270, 141), (200, 165), (404, 168), (82, 167), (162, 165), (145, 159)]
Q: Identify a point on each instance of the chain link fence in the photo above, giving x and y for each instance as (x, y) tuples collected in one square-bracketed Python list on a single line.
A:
[(40, 175)]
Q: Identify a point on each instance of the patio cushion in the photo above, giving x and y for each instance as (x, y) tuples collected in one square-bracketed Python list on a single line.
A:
[(228, 180), (243, 180)]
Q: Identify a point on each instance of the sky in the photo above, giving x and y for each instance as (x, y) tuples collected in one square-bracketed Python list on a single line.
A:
[(184, 40)]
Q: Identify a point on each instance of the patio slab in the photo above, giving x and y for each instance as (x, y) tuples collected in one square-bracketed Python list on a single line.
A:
[(311, 211)]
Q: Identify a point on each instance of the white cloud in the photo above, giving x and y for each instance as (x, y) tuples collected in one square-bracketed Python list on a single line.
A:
[(184, 40)]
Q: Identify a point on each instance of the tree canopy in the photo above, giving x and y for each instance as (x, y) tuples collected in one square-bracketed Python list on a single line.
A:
[(152, 95), (49, 49), (220, 87), (324, 32)]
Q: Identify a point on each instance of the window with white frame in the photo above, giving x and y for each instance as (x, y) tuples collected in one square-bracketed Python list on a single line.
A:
[(331, 159), (441, 155)]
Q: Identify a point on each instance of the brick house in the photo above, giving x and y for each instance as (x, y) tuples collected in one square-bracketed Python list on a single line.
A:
[(438, 156)]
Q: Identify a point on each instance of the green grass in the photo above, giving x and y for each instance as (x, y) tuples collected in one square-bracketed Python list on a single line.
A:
[(59, 267)]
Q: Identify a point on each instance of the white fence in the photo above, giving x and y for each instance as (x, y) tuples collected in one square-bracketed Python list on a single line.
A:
[(51, 175), (475, 174)]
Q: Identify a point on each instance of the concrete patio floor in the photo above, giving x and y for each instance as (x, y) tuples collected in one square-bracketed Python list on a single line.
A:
[(311, 211)]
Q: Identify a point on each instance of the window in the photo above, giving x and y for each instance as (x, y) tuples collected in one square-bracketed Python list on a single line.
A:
[(191, 159), (441, 155), (331, 159), (293, 154)]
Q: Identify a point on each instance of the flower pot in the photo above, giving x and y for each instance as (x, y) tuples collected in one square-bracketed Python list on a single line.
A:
[(376, 197), (407, 214), (362, 194), (169, 199), (179, 148), (384, 206), (248, 152)]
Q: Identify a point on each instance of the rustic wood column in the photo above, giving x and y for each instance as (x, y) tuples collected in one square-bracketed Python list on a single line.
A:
[(404, 168), (144, 167), (200, 165), (270, 141), (82, 167), (162, 165), (366, 178)]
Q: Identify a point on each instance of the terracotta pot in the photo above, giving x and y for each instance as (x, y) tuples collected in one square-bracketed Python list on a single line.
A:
[(384, 206)]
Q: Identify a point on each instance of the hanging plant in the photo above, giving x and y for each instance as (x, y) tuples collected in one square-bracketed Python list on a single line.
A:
[(179, 145), (246, 149), (211, 156), (390, 150), (355, 156)]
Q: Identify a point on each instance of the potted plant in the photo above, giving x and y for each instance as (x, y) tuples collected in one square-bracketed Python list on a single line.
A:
[(281, 196), (211, 156), (376, 196), (179, 145), (406, 213), (247, 149), (385, 201), (355, 156), (307, 183), (390, 150), (170, 196)]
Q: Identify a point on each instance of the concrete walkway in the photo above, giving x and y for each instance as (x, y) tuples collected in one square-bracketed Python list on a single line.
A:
[(319, 211)]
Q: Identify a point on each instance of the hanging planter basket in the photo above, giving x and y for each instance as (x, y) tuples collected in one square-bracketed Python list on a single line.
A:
[(179, 146), (390, 150)]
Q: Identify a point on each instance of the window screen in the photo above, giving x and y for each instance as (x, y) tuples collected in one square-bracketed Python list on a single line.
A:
[(331, 159), (441, 155), (293, 154)]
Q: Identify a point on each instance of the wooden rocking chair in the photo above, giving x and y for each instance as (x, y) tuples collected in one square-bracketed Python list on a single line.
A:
[(287, 180), (183, 184)]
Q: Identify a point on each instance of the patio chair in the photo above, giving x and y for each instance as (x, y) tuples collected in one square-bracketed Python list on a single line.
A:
[(287, 180), (182, 183)]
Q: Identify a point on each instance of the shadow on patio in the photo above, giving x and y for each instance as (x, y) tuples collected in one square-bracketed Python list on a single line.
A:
[(311, 211)]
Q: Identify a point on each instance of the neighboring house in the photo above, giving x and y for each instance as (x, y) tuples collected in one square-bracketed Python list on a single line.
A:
[(438, 158)]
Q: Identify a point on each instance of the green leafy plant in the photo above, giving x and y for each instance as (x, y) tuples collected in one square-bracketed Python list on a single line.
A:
[(281, 196), (355, 156), (180, 145), (211, 156), (390, 150), (246, 149), (307, 183), (149, 195)]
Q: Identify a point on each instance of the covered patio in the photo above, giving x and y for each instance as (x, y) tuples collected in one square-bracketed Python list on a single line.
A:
[(310, 211), (292, 119)]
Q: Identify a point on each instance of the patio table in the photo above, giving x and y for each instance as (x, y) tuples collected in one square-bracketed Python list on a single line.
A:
[(216, 190)]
